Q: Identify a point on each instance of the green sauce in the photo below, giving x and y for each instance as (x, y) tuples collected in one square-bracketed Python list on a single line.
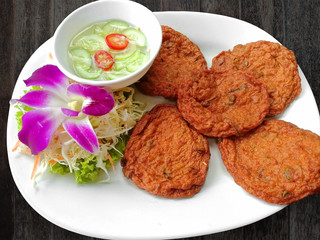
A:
[(84, 46)]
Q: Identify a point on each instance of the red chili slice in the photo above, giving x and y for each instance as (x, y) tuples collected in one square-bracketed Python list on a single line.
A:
[(117, 41), (104, 60)]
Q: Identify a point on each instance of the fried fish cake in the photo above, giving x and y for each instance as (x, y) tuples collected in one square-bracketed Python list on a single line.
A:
[(277, 162), (165, 156), (271, 63), (177, 56), (223, 104)]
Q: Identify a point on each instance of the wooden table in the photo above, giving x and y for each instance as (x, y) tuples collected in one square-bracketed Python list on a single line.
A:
[(26, 24)]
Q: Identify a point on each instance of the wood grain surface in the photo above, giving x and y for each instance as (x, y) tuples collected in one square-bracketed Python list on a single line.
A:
[(26, 24)]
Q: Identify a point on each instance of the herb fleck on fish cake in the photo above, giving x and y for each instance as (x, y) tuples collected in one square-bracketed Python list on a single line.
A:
[(277, 162), (164, 156), (272, 64), (223, 104), (177, 56)]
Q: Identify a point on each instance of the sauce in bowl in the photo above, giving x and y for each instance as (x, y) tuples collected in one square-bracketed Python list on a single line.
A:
[(108, 50)]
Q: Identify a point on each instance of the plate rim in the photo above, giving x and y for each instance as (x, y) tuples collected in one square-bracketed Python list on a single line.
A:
[(71, 228)]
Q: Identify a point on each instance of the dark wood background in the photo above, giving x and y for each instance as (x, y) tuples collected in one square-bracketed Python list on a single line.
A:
[(26, 24)]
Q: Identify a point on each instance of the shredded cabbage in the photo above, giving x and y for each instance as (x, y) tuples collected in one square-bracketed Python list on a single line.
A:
[(63, 155)]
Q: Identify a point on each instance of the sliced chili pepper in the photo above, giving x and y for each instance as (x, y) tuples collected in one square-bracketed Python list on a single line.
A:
[(117, 41), (103, 60)]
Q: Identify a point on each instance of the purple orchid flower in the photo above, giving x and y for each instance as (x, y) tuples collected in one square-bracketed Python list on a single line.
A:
[(61, 103)]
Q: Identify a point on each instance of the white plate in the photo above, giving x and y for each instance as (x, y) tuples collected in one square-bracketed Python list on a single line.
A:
[(120, 210)]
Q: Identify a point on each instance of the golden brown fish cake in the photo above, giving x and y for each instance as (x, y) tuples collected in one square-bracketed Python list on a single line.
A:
[(271, 63), (223, 104), (177, 56), (277, 162), (165, 156)]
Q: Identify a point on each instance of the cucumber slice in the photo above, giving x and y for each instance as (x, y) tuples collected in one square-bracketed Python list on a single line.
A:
[(119, 65), (88, 73), (136, 36), (113, 75), (134, 66), (125, 53), (114, 26), (91, 43), (98, 30), (135, 56), (81, 56)]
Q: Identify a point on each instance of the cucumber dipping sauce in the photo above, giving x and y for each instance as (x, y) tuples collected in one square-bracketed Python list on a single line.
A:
[(108, 50)]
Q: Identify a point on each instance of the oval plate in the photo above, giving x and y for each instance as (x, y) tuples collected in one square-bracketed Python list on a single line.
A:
[(120, 210)]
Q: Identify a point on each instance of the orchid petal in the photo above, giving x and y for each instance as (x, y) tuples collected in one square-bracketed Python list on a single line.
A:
[(82, 132), (97, 101), (49, 77), (109, 90), (38, 126), (41, 99), (69, 113)]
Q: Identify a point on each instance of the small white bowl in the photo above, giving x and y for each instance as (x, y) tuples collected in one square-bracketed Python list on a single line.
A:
[(131, 12)]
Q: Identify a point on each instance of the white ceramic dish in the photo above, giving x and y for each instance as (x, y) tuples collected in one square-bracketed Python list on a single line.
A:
[(100, 11), (120, 210)]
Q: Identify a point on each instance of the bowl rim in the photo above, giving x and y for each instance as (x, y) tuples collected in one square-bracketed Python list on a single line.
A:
[(73, 76)]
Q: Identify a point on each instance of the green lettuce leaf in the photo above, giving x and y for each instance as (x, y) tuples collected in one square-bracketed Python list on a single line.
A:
[(57, 168), (120, 146), (88, 172)]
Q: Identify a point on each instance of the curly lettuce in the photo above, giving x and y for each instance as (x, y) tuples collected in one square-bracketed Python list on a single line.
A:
[(57, 168), (88, 172)]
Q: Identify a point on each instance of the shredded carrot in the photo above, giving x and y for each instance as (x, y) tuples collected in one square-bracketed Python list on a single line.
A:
[(111, 161), (50, 56), (36, 162), (60, 129), (16, 146), (26, 151), (61, 158), (52, 161)]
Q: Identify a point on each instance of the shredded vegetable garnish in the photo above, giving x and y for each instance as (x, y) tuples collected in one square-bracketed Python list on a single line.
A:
[(63, 155)]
